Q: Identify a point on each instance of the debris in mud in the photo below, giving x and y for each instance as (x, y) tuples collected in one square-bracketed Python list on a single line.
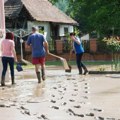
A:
[(72, 112)]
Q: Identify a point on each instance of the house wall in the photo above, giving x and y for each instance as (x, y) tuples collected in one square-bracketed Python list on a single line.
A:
[(46, 26), (61, 30), (47, 31)]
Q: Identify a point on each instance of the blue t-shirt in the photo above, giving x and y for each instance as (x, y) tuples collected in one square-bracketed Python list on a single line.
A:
[(78, 48), (36, 40)]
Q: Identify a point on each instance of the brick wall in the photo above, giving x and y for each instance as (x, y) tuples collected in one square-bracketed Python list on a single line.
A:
[(93, 45), (86, 57)]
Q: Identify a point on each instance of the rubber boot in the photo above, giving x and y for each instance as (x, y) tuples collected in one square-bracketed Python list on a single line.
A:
[(43, 74), (13, 80), (80, 70), (3, 81), (38, 77), (85, 70)]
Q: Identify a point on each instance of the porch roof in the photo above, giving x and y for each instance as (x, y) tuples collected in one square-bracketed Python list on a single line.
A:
[(39, 10)]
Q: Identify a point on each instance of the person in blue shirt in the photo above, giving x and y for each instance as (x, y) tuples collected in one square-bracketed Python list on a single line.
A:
[(39, 47), (79, 50)]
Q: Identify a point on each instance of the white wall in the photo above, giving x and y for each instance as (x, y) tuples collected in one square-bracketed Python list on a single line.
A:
[(62, 32), (44, 24), (47, 28)]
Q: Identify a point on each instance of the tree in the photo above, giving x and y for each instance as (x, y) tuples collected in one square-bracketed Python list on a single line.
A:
[(102, 16), (96, 15)]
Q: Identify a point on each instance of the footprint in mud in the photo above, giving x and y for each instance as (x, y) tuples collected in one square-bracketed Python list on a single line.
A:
[(86, 83), (24, 110), (99, 118), (43, 117), (74, 94), (55, 107), (85, 97), (53, 95), (2, 105), (55, 88), (111, 119), (86, 88), (98, 110), (53, 101), (64, 89), (77, 106), (90, 114), (76, 86), (64, 103), (75, 89), (82, 80), (72, 100), (71, 79), (73, 113), (60, 91), (86, 92)]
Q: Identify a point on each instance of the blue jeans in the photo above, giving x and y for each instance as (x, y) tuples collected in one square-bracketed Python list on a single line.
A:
[(5, 62), (79, 62)]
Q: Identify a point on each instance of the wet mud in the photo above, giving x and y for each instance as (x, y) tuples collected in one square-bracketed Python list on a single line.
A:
[(63, 96)]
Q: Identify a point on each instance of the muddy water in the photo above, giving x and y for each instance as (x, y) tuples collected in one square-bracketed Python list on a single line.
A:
[(63, 96)]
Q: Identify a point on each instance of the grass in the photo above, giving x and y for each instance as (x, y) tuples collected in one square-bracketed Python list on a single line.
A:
[(59, 63)]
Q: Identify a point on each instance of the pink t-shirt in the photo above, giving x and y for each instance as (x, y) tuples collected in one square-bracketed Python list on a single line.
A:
[(7, 47)]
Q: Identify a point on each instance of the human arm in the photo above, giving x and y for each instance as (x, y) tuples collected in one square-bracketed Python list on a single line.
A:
[(15, 56), (75, 39), (14, 51), (46, 46)]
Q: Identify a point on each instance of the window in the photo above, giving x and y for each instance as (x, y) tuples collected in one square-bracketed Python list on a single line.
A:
[(41, 29), (65, 30)]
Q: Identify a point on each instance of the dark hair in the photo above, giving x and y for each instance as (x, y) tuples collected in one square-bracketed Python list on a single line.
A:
[(10, 35), (72, 34)]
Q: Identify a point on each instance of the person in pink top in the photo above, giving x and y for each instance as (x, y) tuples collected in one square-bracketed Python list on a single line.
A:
[(8, 56)]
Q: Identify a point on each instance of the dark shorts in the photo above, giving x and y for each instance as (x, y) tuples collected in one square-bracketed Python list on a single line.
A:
[(38, 60)]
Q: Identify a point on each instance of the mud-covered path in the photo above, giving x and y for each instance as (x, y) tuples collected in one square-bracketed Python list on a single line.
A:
[(63, 96)]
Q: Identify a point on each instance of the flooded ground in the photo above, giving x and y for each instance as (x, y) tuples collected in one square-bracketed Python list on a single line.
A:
[(63, 96)]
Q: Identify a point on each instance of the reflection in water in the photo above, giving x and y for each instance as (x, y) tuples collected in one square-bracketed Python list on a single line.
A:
[(38, 91)]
